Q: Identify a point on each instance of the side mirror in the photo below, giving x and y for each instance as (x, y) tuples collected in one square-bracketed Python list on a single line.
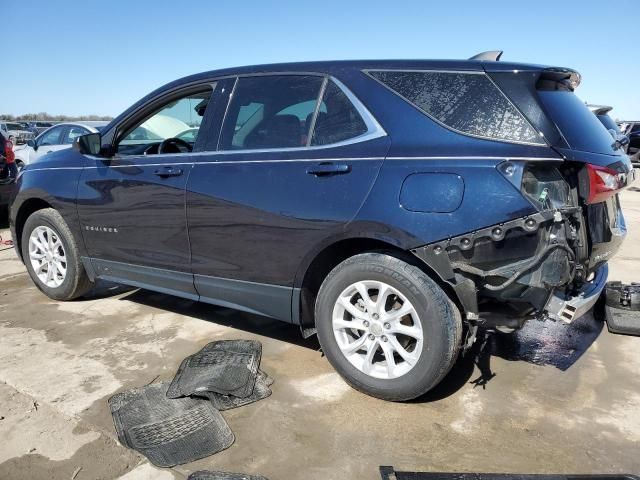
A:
[(32, 143), (88, 144)]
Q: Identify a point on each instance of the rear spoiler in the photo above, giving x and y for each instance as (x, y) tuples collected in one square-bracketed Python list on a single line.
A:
[(555, 78)]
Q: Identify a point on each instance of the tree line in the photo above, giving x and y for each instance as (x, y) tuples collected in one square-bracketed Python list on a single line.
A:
[(44, 116)]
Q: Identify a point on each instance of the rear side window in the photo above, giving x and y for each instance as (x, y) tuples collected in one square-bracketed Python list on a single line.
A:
[(271, 112), (468, 103), (338, 119)]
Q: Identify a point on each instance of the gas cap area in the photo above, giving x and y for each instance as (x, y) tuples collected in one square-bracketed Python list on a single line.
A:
[(432, 192)]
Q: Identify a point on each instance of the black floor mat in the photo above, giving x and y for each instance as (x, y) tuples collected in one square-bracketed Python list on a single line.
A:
[(206, 475), (168, 431), (227, 367), (227, 402), (388, 473), (622, 309), (623, 322)]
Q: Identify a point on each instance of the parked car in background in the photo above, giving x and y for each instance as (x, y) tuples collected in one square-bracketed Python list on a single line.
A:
[(7, 182), (632, 130), (37, 127), (55, 138), (602, 112), (17, 132), (634, 137), (392, 207)]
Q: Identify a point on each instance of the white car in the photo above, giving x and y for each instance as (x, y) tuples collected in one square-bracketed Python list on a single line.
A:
[(55, 138), (16, 132)]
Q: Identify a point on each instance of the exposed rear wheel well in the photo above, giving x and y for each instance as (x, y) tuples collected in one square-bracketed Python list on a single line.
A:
[(336, 253), (26, 210)]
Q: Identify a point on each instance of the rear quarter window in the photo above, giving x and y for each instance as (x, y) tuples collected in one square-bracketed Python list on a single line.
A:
[(469, 103)]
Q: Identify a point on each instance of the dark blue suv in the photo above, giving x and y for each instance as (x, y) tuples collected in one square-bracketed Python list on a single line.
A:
[(393, 207)]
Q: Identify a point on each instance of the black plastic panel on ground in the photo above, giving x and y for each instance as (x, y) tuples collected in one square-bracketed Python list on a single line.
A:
[(388, 473)]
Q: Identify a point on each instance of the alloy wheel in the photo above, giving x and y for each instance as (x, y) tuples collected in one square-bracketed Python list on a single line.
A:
[(47, 256), (377, 329)]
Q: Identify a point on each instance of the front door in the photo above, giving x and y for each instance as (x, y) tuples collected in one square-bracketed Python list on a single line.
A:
[(296, 159), (132, 205)]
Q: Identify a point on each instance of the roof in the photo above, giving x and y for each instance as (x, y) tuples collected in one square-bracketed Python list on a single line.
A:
[(335, 67)]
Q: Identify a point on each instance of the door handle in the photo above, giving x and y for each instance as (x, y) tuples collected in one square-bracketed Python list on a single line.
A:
[(325, 169), (168, 172)]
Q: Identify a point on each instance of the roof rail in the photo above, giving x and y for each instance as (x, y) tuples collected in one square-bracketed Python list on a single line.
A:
[(491, 56)]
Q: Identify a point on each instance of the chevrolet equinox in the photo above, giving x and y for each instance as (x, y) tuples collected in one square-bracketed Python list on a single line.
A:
[(391, 207)]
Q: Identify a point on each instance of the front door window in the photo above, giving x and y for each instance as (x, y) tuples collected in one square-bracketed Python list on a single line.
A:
[(173, 128)]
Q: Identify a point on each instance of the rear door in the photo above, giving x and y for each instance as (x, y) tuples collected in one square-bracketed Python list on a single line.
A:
[(296, 158), (132, 205)]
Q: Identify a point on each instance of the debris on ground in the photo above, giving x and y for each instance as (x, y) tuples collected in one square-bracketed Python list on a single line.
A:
[(173, 423), (389, 473), (227, 367), (207, 475), (622, 308)]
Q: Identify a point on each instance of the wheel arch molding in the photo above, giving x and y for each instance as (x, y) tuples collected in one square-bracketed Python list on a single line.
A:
[(325, 257)]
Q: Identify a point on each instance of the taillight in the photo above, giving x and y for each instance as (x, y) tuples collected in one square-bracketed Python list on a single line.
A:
[(603, 183)]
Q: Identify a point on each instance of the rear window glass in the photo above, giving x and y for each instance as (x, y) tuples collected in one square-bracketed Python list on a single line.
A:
[(469, 103), (579, 126), (609, 123)]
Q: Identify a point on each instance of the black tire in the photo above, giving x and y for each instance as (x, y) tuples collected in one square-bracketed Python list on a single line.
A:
[(439, 317), (76, 282)]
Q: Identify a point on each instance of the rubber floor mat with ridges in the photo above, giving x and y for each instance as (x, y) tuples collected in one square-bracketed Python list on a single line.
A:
[(227, 367), (168, 431), (261, 390)]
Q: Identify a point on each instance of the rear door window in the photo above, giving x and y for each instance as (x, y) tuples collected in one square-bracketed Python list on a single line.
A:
[(269, 112), (337, 120), (467, 102)]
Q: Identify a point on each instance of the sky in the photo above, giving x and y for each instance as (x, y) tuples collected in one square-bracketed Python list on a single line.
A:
[(98, 57)]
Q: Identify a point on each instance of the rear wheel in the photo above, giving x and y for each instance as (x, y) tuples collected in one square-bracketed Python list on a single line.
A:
[(386, 327), (51, 256)]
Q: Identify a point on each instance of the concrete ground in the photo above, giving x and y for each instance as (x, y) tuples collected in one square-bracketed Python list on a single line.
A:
[(551, 398)]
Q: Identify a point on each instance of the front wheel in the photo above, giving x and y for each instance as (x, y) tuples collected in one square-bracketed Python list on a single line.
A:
[(386, 327), (51, 256)]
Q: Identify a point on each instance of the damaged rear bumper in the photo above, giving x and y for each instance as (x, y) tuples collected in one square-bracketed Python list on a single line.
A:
[(534, 266), (569, 308)]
